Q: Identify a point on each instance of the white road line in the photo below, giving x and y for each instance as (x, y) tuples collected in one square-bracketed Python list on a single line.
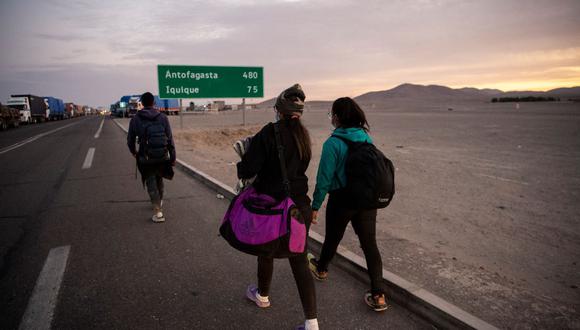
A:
[(89, 159), (120, 126), (99, 130), (36, 137), (40, 309)]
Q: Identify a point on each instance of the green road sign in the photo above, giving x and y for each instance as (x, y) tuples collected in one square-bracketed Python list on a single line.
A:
[(188, 82)]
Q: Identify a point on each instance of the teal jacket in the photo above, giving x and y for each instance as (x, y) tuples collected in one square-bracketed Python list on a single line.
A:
[(331, 174)]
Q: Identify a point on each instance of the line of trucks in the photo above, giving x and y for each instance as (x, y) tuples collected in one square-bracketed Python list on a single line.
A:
[(128, 106), (28, 109)]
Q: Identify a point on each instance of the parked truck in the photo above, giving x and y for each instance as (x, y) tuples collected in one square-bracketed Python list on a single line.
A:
[(124, 102), (9, 117), (122, 108), (55, 108), (116, 109), (129, 105), (87, 111), (171, 106), (79, 110), (32, 108), (167, 106), (69, 110), (134, 105)]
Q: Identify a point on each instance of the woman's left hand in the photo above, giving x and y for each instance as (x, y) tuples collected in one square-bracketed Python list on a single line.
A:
[(314, 217)]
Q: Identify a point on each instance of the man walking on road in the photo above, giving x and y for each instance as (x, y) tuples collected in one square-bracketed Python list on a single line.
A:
[(156, 155)]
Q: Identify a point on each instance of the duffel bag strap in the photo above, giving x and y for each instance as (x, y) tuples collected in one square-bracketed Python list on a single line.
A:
[(280, 147)]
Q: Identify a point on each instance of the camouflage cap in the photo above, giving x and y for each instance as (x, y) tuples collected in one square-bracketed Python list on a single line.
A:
[(291, 101)]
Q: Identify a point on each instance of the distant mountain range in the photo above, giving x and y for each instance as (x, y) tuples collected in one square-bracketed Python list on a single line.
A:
[(442, 93), (436, 92)]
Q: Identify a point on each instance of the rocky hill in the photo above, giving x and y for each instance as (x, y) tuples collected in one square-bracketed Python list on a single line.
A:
[(436, 93)]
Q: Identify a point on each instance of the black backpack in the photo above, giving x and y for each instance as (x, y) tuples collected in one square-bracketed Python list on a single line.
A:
[(370, 176), (154, 143)]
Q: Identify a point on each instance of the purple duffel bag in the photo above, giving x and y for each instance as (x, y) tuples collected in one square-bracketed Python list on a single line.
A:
[(259, 225)]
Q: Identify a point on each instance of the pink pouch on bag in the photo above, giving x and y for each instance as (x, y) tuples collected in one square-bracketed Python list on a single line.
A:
[(297, 236)]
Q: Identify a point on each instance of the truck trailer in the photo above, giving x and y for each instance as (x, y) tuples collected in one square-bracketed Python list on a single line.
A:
[(171, 106), (55, 108), (167, 106), (32, 108)]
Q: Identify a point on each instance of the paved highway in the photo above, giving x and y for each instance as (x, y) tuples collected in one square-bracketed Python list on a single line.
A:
[(75, 223)]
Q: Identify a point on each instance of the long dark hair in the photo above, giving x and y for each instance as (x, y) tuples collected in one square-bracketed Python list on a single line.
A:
[(300, 135), (349, 114)]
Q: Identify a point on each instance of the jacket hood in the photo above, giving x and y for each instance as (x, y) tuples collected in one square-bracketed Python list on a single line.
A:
[(148, 113), (354, 134)]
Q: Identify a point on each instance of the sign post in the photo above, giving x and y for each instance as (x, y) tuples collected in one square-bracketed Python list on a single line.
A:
[(244, 110), (180, 115)]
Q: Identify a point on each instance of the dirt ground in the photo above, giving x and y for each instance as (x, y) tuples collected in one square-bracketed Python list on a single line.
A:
[(486, 213)]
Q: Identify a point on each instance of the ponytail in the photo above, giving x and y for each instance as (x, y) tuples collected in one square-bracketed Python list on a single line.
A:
[(300, 135)]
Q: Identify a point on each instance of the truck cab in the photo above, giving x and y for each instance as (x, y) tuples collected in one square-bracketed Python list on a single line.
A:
[(22, 105), (48, 104), (133, 106)]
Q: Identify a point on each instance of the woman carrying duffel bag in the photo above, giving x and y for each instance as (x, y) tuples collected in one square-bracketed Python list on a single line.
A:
[(281, 179)]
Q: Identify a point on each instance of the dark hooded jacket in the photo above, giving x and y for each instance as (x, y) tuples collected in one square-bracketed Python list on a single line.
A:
[(136, 134), (261, 159)]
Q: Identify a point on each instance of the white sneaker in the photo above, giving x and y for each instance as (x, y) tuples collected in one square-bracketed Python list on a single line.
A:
[(158, 217)]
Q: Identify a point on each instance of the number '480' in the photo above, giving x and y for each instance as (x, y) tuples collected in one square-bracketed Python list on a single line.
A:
[(250, 75)]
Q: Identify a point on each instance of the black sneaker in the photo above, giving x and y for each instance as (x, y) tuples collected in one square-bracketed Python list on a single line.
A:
[(313, 265), (378, 302)]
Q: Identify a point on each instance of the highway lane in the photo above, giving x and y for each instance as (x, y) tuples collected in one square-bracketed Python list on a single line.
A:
[(23, 132), (30, 178), (124, 271)]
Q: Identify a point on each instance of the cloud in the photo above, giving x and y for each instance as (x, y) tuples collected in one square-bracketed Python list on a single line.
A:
[(334, 47), (62, 37), (107, 83)]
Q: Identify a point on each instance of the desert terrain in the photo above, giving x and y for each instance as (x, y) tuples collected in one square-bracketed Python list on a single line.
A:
[(486, 211)]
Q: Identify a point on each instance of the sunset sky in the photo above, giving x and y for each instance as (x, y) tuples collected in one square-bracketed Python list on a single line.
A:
[(93, 52)]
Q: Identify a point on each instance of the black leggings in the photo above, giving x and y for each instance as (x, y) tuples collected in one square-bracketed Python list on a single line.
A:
[(364, 223), (302, 276)]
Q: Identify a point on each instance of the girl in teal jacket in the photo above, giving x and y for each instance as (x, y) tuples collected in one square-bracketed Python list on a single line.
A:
[(350, 123)]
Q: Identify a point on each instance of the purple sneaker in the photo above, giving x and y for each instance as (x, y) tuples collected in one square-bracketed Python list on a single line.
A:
[(253, 295)]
